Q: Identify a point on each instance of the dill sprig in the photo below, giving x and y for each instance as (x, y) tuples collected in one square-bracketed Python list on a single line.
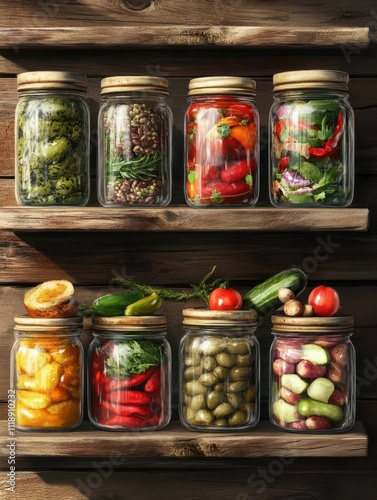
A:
[(200, 291)]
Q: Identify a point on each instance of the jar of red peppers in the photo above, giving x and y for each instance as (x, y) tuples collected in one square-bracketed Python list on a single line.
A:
[(313, 376), (221, 142), (129, 373), (47, 373), (219, 370), (311, 140), (134, 142)]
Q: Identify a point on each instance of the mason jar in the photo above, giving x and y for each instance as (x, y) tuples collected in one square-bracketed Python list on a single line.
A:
[(311, 140), (129, 373), (221, 143), (312, 374), (134, 142), (52, 139), (219, 370), (47, 373)]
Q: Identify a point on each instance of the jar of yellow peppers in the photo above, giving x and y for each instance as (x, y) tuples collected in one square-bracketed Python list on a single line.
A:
[(47, 373)]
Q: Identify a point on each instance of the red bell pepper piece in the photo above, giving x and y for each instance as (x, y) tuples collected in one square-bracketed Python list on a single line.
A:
[(283, 163), (154, 381), (129, 397), (133, 381), (132, 422), (238, 170), (331, 144), (225, 188)]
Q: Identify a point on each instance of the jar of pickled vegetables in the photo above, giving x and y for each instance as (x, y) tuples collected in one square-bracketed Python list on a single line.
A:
[(134, 142), (129, 373), (313, 374), (52, 139), (47, 373), (221, 142), (311, 140), (219, 370)]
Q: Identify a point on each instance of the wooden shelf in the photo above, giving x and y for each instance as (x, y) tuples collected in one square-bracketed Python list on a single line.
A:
[(183, 218), (147, 36), (175, 441)]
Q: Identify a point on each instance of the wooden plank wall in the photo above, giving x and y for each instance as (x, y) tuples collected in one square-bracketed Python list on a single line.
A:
[(90, 260)]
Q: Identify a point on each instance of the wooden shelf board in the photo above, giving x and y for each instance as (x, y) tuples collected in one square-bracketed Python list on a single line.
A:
[(181, 36), (177, 442), (183, 218)]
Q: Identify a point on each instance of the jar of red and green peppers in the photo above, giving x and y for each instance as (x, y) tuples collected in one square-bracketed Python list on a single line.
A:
[(134, 142), (312, 374), (221, 142), (219, 370), (311, 140), (129, 373)]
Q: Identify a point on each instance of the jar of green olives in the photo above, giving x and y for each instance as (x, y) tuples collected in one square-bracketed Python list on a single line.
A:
[(52, 139), (134, 142), (219, 370)]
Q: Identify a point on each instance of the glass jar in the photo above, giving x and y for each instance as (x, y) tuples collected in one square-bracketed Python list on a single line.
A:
[(47, 373), (313, 374), (52, 139), (219, 370), (311, 140), (221, 143), (134, 142), (129, 373)]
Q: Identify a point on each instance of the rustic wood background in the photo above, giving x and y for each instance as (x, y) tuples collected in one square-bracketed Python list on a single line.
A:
[(90, 259)]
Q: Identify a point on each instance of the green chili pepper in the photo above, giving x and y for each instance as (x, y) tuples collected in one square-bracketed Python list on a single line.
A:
[(308, 407), (144, 307), (115, 303)]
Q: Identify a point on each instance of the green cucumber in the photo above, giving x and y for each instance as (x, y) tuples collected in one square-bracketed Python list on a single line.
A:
[(264, 299), (321, 389), (294, 383), (315, 354), (307, 407), (114, 304), (284, 411)]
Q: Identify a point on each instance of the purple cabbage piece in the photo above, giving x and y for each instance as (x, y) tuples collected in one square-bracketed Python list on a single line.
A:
[(282, 111), (304, 190), (294, 179)]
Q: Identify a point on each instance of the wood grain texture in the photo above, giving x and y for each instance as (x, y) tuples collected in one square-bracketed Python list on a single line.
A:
[(181, 36), (176, 441), (185, 218)]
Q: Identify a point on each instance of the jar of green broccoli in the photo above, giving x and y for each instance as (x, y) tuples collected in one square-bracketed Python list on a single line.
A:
[(311, 140), (52, 139)]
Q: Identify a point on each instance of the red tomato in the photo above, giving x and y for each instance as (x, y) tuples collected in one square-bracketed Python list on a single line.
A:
[(225, 299), (324, 300)]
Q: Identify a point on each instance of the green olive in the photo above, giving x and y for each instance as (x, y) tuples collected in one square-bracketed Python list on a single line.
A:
[(220, 422), (214, 398), (244, 359), (198, 402), (235, 399), (238, 418), (219, 387), (193, 360), (249, 408), (66, 185), (186, 400), (204, 417), (240, 373), (194, 387), (250, 394), (223, 410), (220, 372), (240, 346), (208, 379), (192, 372), (209, 363), (190, 415), (225, 359), (191, 346), (237, 386), (212, 345)]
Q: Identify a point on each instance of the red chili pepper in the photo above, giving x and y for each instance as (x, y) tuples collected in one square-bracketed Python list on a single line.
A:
[(152, 421), (210, 172), (284, 162), (122, 421), (238, 170), (141, 411), (154, 381), (129, 397), (331, 144), (225, 188), (133, 381)]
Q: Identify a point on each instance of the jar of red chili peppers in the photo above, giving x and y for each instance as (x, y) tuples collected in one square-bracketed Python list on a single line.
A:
[(222, 142), (129, 373), (312, 140)]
